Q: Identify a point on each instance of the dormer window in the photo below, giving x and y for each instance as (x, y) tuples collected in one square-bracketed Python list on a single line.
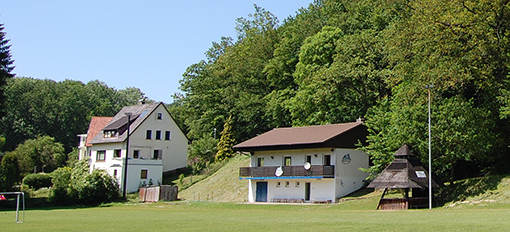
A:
[(110, 133)]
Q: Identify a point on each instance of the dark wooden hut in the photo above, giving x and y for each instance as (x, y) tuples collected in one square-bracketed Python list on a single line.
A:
[(406, 172)]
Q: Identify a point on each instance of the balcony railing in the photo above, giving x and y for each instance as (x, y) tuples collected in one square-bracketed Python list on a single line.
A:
[(288, 171)]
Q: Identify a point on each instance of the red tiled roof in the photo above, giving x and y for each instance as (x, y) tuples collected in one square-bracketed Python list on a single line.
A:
[(96, 125)]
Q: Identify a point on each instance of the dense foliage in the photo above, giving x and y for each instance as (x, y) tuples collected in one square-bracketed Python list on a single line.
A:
[(335, 61), (78, 186), (37, 180), (61, 110)]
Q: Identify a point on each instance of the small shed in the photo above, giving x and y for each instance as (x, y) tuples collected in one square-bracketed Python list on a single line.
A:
[(406, 172)]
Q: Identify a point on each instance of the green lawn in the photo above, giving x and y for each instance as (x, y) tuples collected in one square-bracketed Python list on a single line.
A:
[(209, 216)]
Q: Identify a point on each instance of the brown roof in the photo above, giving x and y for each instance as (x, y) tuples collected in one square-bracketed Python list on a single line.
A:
[(96, 125), (344, 135), (406, 171)]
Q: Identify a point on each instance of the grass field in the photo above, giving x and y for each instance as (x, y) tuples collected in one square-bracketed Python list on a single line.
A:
[(213, 216), (477, 204)]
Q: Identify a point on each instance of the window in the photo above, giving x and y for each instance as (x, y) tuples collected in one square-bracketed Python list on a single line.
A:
[(159, 116), (278, 184), (158, 135), (309, 159), (297, 184), (287, 161), (114, 173), (110, 134), (116, 153), (100, 155), (157, 154), (327, 160), (136, 154), (143, 174), (287, 184), (167, 135), (148, 134), (260, 161)]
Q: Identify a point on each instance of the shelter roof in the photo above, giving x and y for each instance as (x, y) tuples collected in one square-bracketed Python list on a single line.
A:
[(406, 171), (344, 135)]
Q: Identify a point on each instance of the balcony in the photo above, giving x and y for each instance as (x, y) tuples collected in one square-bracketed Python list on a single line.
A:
[(316, 171)]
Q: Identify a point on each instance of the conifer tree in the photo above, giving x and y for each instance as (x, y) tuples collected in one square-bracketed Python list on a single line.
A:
[(226, 142), (5, 67)]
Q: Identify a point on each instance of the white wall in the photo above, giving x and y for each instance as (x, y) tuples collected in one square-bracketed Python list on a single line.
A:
[(275, 158), (110, 164), (348, 177), (154, 173), (174, 151)]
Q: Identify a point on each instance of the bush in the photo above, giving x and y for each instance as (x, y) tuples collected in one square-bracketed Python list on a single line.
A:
[(97, 187), (37, 180), (61, 179), (78, 186)]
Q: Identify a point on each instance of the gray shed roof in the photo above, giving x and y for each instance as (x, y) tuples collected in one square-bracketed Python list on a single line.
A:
[(138, 114)]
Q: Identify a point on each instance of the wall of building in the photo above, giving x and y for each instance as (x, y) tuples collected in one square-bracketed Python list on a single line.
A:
[(348, 177), (275, 158), (174, 151), (114, 166)]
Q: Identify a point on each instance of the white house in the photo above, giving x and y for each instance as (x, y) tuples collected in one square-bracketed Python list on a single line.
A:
[(305, 164), (156, 145)]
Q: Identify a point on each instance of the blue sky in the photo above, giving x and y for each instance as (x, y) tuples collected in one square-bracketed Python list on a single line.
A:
[(143, 44)]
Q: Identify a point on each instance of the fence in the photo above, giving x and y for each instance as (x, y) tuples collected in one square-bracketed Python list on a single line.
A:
[(159, 193)]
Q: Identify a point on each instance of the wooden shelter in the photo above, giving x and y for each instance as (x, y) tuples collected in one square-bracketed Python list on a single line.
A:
[(406, 172)]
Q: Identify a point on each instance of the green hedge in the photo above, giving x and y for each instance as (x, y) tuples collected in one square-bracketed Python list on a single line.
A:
[(37, 180)]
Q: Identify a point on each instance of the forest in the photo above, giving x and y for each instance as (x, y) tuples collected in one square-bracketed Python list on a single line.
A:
[(332, 62), (336, 61)]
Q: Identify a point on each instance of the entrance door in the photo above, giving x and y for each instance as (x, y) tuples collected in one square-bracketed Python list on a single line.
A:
[(307, 191), (261, 192)]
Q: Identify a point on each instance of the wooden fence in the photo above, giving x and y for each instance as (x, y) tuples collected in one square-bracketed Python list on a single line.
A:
[(159, 193)]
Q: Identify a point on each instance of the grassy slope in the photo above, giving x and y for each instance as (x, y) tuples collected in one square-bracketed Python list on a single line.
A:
[(224, 185), (484, 192)]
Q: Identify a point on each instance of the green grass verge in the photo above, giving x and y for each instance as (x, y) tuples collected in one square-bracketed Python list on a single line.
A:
[(213, 216)]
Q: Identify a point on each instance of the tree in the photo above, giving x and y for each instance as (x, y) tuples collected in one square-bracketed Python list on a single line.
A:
[(41, 154), (58, 109), (459, 47), (9, 171), (6, 68), (201, 152), (226, 142)]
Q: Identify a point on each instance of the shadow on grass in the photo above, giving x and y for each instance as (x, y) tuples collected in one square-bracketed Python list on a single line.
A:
[(463, 189), (44, 204)]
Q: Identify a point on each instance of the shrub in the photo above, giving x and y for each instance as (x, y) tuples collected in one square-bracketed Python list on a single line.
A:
[(37, 180), (61, 179), (97, 187), (78, 186)]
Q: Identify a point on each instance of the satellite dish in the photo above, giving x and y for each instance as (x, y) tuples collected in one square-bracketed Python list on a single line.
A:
[(308, 166), (279, 171)]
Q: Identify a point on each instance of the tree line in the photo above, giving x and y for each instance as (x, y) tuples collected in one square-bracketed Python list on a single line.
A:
[(335, 61)]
